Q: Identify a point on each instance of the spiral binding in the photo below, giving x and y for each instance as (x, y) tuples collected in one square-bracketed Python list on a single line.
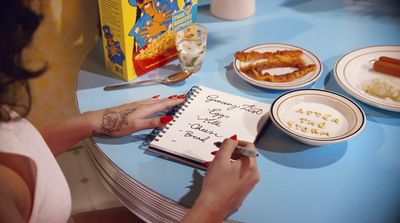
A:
[(157, 133)]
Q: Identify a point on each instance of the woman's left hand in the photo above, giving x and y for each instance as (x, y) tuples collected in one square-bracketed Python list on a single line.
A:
[(132, 117)]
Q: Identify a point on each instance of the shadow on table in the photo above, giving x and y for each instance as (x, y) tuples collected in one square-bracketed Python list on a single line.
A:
[(194, 189), (205, 15), (161, 168), (213, 41), (311, 6), (278, 147), (373, 8), (245, 33)]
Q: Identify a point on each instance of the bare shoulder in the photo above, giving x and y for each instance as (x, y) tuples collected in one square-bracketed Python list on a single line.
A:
[(15, 197)]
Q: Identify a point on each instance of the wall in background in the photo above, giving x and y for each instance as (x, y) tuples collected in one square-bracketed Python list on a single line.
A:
[(67, 33)]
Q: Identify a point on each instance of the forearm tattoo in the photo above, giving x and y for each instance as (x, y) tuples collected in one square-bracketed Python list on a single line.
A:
[(113, 121)]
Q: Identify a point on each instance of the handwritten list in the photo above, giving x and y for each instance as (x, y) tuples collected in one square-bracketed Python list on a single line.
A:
[(210, 116)]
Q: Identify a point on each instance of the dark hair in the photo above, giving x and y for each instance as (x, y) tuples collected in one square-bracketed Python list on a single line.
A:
[(18, 22)]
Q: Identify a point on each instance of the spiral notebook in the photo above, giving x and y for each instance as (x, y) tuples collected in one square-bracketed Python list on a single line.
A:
[(207, 116)]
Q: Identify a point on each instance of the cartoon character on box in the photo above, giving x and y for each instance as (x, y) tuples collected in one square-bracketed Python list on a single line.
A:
[(153, 17), (187, 6), (114, 51)]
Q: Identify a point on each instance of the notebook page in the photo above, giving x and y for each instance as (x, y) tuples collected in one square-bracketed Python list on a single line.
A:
[(211, 116)]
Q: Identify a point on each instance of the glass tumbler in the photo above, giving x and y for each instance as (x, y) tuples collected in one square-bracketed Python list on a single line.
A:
[(191, 45)]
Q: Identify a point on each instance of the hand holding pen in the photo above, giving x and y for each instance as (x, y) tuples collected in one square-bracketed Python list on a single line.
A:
[(239, 150), (226, 183)]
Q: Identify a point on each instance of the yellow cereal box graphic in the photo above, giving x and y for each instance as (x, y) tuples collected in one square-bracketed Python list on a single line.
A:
[(138, 35)]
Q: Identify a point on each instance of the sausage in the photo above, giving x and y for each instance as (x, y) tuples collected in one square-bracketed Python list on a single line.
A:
[(387, 67), (390, 60)]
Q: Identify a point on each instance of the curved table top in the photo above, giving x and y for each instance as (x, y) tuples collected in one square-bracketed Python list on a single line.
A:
[(354, 181)]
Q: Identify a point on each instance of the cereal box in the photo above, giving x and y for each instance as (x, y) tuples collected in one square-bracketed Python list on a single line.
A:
[(139, 35)]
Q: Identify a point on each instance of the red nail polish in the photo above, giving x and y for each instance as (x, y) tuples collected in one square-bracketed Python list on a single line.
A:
[(182, 96), (234, 137), (214, 153), (172, 97), (156, 96), (165, 119), (206, 164)]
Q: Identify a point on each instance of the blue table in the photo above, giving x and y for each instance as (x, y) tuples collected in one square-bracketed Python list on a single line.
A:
[(354, 181)]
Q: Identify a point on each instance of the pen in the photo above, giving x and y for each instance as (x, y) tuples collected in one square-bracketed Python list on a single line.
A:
[(240, 150)]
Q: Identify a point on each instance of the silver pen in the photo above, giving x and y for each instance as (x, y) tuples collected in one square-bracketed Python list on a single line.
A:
[(240, 150)]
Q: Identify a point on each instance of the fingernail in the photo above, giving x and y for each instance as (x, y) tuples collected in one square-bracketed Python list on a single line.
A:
[(234, 137), (156, 96), (165, 119), (206, 164), (172, 97), (182, 96), (214, 153)]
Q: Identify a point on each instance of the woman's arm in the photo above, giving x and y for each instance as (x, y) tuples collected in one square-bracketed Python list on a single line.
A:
[(225, 186), (115, 122)]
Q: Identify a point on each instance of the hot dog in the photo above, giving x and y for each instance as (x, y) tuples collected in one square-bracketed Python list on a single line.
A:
[(390, 60), (388, 65)]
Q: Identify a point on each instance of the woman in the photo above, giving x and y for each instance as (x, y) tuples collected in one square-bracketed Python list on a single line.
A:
[(32, 186)]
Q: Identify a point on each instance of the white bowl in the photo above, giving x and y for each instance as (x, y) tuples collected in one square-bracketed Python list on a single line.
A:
[(317, 117)]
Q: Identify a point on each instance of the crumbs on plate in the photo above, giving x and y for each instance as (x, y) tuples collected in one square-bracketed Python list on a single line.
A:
[(382, 89)]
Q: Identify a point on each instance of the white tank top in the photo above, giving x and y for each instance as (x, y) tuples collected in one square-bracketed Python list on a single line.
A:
[(52, 199)]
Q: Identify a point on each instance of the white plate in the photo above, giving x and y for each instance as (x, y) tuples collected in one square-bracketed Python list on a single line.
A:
[(308, 57), (317, 117), (354, 70)]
